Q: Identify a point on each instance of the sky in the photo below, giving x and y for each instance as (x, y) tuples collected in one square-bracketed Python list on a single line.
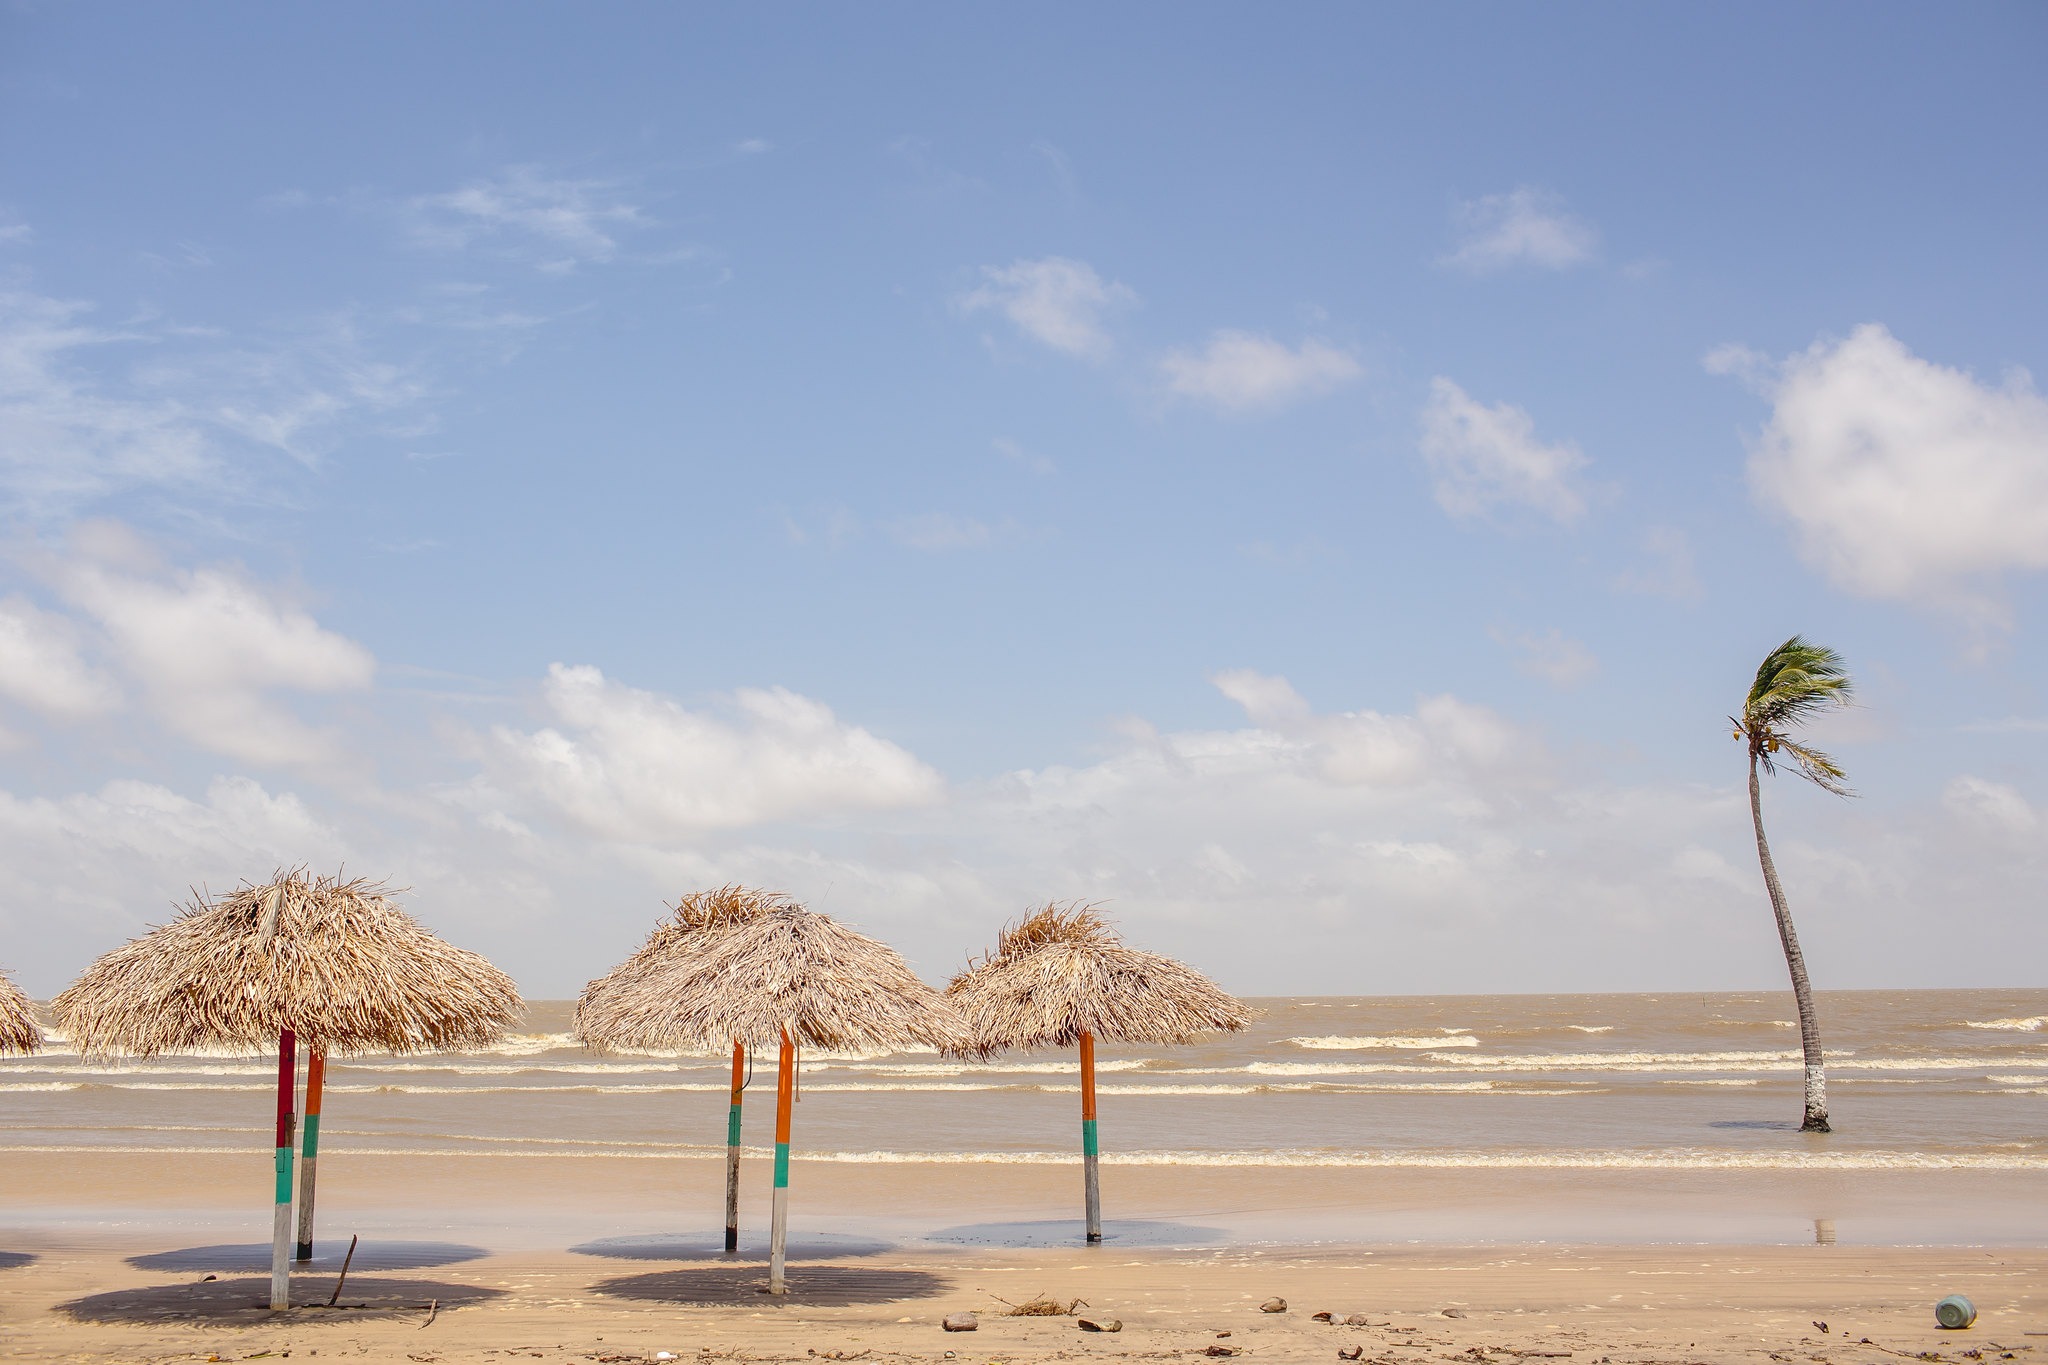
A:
[(1315, 479)]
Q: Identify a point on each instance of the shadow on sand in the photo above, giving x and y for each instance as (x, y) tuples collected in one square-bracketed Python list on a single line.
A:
[(254, 1258), (1052, 1232), (246, 1302), (11, 1260), (709, 1246), (829, 1286)]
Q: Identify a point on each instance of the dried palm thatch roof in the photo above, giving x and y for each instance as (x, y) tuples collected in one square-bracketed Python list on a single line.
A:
[(698, 917), (337, 962), (1062, 971), (780, 967), (18, 1029)]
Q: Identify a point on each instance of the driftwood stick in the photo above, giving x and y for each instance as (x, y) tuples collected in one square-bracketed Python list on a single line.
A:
[(433, 1311), (344, 1270)]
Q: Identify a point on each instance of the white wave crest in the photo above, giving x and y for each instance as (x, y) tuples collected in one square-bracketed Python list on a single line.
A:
[(2033, 1023), (1367, 1043)]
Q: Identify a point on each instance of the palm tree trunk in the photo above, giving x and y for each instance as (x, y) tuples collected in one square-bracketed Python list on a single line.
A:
[(1816, 1120)]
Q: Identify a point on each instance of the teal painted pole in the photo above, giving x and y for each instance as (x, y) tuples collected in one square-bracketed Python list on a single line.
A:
[(281, 1214), (309, 1148), (778, 1227), (1091, 1152), (732, 1150)]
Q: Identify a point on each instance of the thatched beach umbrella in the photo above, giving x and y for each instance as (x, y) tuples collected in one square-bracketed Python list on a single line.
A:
[(333, 965), (697, 920), (18, 1029), (1061, 978), (788, 977)]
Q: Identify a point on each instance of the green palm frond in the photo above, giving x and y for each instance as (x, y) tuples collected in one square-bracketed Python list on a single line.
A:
[(1817, 768), (1795, 683)]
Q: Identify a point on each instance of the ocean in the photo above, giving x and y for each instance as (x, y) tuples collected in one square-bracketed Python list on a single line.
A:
[(1918, 1080)]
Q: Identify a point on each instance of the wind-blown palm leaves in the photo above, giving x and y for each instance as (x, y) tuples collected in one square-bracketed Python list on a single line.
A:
[(779, 975), (18, 1029), (1060, 977), (1796, 682), (603, 1013), (332, 964)]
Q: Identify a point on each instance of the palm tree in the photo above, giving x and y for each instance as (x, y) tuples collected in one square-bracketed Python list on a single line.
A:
[(1795, 682)]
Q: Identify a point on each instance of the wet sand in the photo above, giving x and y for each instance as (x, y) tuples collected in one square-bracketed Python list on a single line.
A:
[(493, 1259)]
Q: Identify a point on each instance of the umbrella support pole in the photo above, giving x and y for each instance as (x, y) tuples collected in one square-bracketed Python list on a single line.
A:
[(1091, 1159), (732, 1150), (778, 1229), (281, 1214), (309, 1149)]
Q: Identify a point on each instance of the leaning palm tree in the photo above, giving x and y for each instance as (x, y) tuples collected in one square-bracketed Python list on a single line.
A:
[(1796, 682)]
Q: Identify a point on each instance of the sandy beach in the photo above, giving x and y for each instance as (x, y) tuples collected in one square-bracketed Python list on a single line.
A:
[(484, 1259)]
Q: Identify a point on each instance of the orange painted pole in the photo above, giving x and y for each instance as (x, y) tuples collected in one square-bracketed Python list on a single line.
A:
[(1090, 1151), (309, 1149), (732, 1149), (778, 1228)]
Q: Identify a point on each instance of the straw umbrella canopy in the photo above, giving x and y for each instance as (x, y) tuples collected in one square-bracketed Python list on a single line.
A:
[(1061, 978), (335, 965), (18, 1029), (786, 976), (695, 920)]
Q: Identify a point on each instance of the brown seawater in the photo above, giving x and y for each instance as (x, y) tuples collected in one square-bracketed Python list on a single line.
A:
[(1919, 1080)]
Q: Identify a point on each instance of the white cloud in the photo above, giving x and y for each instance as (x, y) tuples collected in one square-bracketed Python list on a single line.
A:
[(1055, 301), (88, 412), (553, 222), (208, 647), (1483, 458), (1904, 479), (1990, 806), (1551, 656), (1362, 748), (1239, 371), (41, 666), (1526, 226), (80, 872), (634, 765)]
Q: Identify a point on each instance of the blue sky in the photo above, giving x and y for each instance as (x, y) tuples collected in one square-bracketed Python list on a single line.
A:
[(1328, 470)]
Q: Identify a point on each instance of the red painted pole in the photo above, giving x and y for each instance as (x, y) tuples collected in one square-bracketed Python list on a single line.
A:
[(281, 1214), (1091, 1158)]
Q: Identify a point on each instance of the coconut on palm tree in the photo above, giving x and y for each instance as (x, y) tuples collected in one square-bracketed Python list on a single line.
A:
[(1796, 682)]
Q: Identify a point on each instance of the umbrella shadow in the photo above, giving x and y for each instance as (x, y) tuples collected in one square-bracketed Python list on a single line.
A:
[(248, 1301), (709, 1246), (1135, 1232), (829, 1286), (253, 1258), (14, 1260)]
